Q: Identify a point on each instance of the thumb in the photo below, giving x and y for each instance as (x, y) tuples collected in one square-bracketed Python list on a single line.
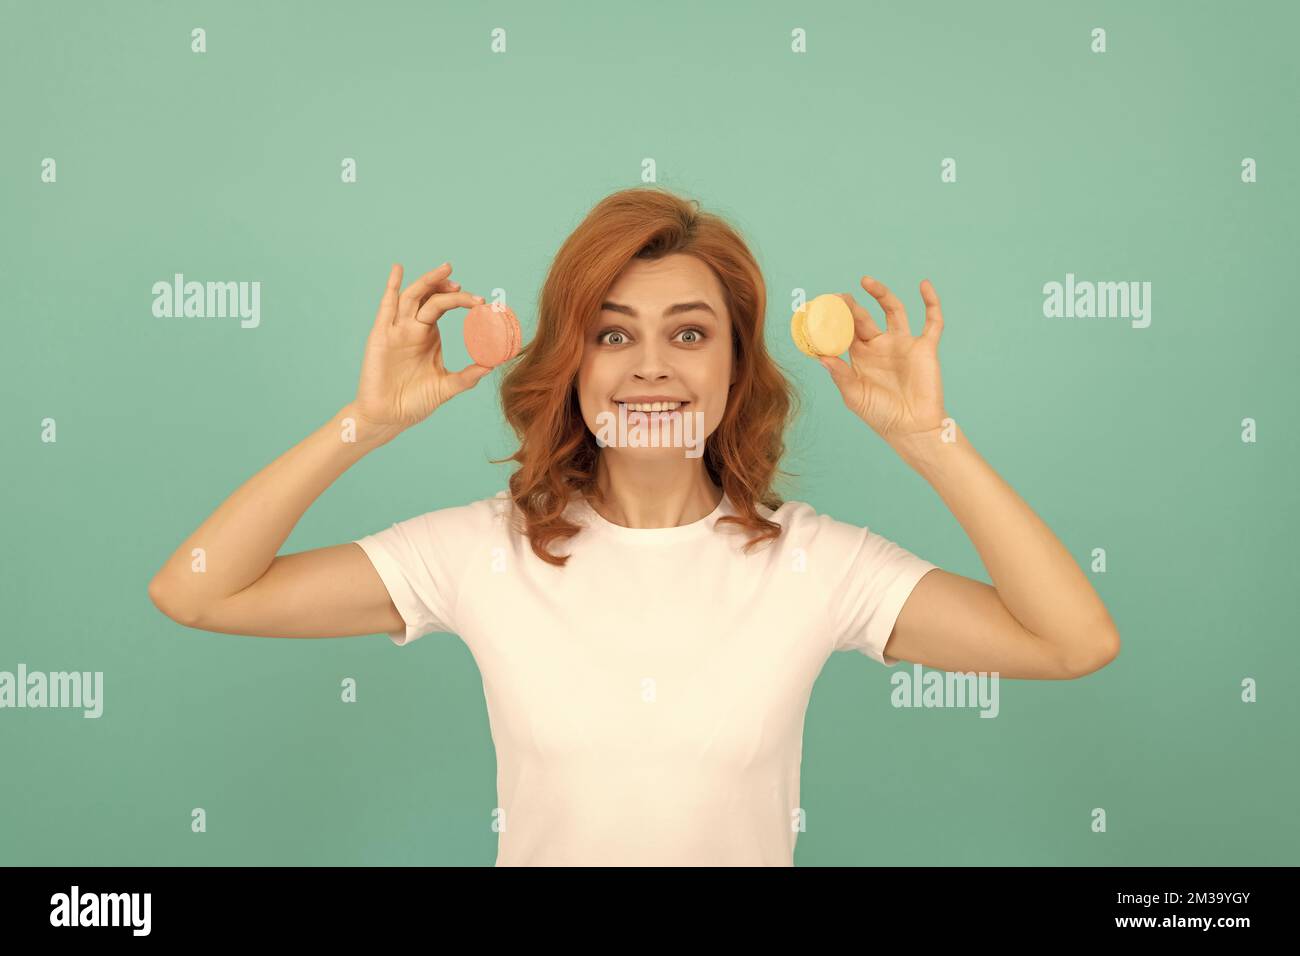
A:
[(840, 371), (468, 377)]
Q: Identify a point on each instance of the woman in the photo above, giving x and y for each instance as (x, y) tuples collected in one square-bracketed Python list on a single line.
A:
[(648, 620)]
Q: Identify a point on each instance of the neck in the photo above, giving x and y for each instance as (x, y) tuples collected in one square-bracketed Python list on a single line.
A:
[(641, 494)]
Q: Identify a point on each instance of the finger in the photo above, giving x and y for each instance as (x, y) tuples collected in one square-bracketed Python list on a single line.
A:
[(440, 303), (466, 378), (933, 313), (841, 371), (864, 326), (388, 301), (895, 314), (409, 302)]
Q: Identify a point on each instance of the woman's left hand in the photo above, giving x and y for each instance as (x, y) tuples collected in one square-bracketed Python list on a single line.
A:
[(893, 384)]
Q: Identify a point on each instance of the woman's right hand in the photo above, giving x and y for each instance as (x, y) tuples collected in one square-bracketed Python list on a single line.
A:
[(403, 378)]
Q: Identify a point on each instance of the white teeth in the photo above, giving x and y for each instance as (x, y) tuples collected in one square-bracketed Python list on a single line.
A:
[(651, 406)]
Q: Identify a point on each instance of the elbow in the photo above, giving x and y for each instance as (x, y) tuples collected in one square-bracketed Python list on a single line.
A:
[(1098, 653), (166, 602)]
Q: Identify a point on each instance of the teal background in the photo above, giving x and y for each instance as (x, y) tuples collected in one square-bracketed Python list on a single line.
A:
[(225, 166)]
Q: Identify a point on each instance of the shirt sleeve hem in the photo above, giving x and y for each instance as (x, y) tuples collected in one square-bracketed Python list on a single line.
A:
[(881, 626), (398, 589)]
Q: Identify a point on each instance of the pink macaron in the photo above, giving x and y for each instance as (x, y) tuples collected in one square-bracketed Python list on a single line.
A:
[(492, 334)]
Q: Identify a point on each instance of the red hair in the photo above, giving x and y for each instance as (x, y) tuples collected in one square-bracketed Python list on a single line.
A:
[(557, 452)]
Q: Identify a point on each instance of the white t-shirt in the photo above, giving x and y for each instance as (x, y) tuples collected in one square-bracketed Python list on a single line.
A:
[(647, 701)]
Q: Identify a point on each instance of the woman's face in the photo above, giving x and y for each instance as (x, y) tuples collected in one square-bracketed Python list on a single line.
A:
[(663, 331)]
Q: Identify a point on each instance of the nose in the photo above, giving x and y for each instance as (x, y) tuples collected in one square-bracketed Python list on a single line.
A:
[(650, 377), (649, 365)]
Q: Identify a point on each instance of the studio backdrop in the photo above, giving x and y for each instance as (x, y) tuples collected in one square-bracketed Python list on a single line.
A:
[(1104, 195)]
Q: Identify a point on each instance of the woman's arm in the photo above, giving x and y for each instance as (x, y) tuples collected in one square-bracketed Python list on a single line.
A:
[(1041, 617), (227, 577)]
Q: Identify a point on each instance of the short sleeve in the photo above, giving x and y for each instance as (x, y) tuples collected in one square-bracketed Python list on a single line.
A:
[(423, 561), (878, 578)]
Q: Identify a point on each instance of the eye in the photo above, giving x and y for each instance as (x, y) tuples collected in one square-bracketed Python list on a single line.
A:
[(698, 334)]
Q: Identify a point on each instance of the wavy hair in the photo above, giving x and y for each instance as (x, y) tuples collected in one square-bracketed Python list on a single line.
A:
[(557, 452)]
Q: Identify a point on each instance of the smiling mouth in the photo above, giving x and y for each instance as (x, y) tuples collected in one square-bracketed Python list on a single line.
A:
[(651, 408)]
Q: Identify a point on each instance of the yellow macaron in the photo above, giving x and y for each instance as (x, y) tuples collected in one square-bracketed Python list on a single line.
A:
[(823, 326)]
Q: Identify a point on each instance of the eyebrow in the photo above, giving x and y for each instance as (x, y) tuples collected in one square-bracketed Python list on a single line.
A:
[(677, 309)]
